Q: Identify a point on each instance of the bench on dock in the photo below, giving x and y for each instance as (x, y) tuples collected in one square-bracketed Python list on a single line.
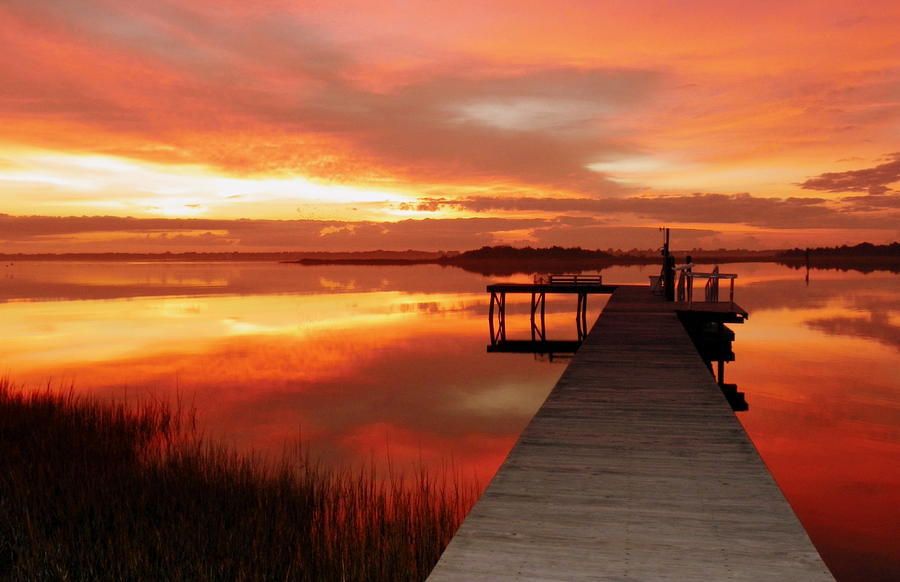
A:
[(552, 279)]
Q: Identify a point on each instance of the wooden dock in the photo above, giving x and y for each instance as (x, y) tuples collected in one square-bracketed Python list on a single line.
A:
[(634, 469)]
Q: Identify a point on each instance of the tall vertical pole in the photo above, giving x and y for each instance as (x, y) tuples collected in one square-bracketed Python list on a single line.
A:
[(668, 273), (807, 267)]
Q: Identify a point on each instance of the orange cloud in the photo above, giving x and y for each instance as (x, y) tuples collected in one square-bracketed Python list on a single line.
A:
[(875, 180), (583, 101)]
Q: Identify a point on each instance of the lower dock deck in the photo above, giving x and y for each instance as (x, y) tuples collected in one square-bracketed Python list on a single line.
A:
[(635, 468)]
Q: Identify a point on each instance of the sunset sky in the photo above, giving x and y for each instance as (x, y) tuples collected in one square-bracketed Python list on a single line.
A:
[(353, 125)]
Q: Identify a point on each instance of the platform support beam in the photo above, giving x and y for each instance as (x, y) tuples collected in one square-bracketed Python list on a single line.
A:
[(498, 306), (538, 303), (581, 316)]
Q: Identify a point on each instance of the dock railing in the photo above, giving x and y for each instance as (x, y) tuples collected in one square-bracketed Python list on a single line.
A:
[(711, 289)]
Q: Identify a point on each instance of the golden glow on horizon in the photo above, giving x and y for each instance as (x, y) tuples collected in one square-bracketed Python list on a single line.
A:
[(69, 184)]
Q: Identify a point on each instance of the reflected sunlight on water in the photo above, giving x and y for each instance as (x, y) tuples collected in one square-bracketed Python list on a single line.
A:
[(369, 361), (357, 361)]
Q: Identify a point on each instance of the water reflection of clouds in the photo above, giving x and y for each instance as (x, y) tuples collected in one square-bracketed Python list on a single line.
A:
[(50, 281), (826, 419), (877, 327), (820, 364), (500, 398), (829, 305), (332, 285), (398, 363), (98, 330), (353, 371), (795, 294), (345, 388)]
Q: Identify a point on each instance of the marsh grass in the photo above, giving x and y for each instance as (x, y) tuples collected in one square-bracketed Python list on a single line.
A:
[(104, 491)]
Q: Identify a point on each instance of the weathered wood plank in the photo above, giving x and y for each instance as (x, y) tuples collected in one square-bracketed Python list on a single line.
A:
[(634, 468)]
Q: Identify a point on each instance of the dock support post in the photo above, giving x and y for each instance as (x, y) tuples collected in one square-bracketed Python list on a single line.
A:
[(491, 317), (503, 316), (538, 300), (584, 316), (498, 333), (581, 316), (543, 320), (533, 309)]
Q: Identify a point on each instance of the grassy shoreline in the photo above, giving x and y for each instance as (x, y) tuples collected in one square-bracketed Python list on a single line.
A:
[(104, 491)]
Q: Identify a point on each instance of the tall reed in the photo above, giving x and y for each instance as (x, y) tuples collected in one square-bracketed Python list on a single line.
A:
[(104, 491)]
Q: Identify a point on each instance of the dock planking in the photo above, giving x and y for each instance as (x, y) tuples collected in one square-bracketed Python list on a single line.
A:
[(634, 468)]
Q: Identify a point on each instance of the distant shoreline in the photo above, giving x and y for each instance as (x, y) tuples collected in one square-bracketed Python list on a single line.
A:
[(500, 267), (372, 262), (486, 267), (373, 257), (285, 256), (504, 260), (494, 265)]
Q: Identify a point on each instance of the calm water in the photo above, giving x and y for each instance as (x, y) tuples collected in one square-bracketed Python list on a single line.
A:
[(371, 363)]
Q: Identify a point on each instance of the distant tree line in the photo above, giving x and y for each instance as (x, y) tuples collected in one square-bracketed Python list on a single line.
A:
[(861, 250), (506, 252)]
